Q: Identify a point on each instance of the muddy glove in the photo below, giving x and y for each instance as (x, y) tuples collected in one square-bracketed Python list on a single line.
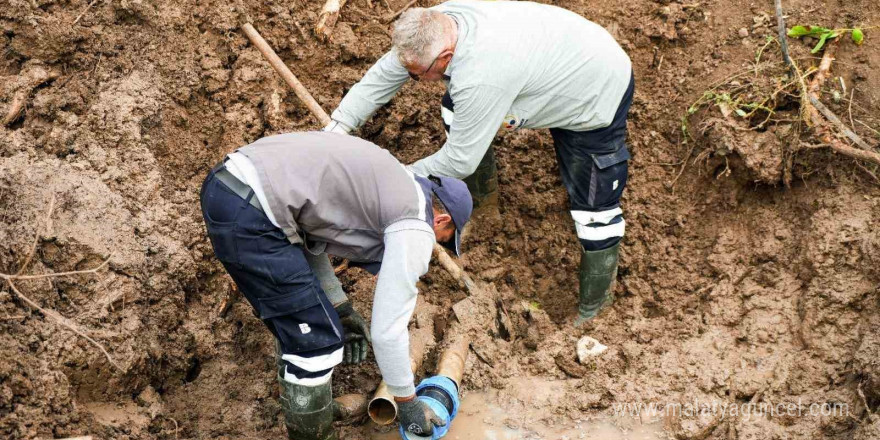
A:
[(357, 334), (416, 416)]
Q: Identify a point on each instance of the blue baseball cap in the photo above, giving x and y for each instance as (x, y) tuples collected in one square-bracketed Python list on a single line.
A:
[(456, 198)]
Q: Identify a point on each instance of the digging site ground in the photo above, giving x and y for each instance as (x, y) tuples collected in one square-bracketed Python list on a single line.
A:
[(749, 270)]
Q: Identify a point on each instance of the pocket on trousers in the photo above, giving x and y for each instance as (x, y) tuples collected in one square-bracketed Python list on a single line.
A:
[(223, 242), (301, 320), (609, 178)]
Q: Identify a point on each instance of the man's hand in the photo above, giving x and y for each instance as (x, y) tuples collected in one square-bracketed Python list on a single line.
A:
[(357, 334), (416, 416)]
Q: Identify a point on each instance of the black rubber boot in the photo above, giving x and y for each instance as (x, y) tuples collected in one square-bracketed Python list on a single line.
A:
[(597, 273)]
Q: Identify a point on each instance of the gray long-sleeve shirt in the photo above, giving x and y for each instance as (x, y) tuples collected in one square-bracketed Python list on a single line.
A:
[(516, 65)]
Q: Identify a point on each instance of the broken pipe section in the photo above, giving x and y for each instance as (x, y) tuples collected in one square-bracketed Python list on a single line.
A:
[(382, 408)]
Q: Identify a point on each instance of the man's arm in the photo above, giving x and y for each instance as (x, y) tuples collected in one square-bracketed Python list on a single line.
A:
[(374, 90), (323, 270), (479, 111), (408, 245)]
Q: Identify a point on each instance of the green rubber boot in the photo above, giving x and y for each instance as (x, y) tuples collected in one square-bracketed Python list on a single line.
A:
[(483, 184), (308, 411), (597, 273)]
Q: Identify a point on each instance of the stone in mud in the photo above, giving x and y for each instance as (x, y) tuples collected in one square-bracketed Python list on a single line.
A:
[(589, 348)]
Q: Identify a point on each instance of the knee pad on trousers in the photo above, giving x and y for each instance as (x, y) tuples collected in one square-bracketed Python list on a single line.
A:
[(599, 230), (307, 370)]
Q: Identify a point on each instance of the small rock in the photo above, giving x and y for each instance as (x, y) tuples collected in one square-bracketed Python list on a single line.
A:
[(588, 348), (743, 32)]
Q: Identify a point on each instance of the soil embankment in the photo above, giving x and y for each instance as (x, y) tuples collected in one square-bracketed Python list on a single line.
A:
[(732, 291)]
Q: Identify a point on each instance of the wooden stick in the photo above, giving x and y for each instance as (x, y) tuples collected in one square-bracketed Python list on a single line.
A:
[(286, 74), (783, 40), (837, 122), (327, 18), (454, 269), (390, 18)]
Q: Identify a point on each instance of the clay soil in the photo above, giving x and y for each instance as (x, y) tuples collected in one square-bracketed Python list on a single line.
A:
[(734, 288)]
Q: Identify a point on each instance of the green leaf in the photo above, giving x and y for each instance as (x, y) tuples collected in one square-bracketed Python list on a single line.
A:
[(798, 31), (858, 36), (742, 113), (821, 43), (805, 31)]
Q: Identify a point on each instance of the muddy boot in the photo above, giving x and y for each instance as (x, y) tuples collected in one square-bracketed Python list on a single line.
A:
[(308, 411), (483, 185), (597, 273)]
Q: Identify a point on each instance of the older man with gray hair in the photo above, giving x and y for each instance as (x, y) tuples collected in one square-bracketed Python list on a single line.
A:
[(519, 65)]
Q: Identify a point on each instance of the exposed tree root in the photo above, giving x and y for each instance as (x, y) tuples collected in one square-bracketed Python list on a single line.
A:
[(813, 107), (327, 18), (57, 317), (33, 78)]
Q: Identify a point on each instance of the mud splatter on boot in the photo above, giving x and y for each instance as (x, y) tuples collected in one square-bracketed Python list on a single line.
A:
[(597, 273)]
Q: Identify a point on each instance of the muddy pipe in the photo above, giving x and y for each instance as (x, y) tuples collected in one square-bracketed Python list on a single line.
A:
[(349, 407), (382, 407), (441, 391), (451, 363)]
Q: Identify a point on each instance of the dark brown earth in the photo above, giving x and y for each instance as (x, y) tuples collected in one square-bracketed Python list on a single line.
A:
[(733, 288)]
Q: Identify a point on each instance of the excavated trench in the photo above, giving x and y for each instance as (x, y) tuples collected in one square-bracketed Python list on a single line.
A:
[(730, 292)]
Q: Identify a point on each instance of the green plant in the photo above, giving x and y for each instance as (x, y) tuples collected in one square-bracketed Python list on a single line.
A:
[(824, 34)]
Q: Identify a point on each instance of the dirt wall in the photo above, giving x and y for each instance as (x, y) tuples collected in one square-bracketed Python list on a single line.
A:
[(730, 291)]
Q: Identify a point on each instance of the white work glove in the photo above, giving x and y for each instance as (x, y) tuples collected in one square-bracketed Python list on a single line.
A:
[(337, 127)]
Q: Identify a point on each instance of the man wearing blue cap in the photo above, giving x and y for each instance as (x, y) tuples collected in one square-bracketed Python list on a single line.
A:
[(275, 208)]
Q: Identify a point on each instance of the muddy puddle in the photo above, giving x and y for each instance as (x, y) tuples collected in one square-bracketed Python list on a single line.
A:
[(521, 412)]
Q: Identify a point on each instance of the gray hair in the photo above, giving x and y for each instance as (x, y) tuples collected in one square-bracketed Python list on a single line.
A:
[(418, 36)]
